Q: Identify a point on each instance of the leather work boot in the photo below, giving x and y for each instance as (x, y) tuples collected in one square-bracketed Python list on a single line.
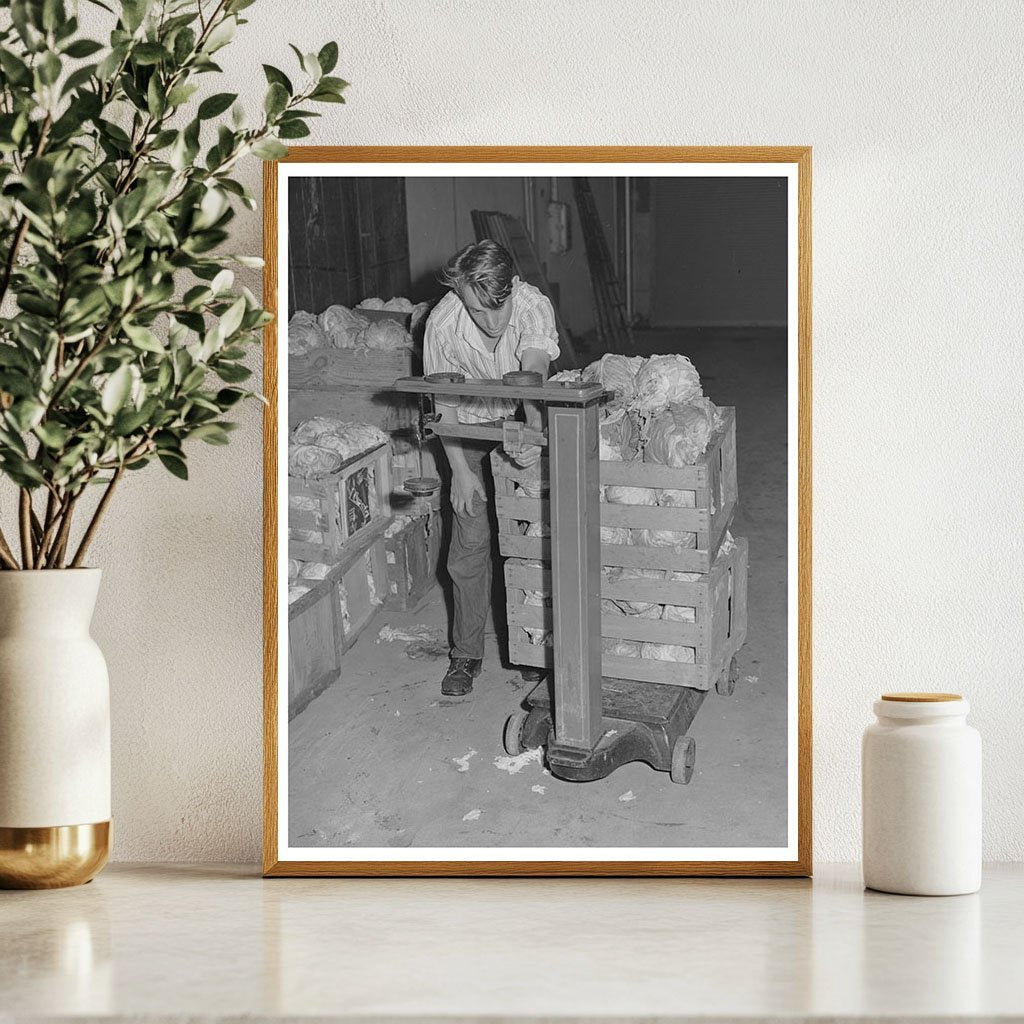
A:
[(458, 680), (533, 675)]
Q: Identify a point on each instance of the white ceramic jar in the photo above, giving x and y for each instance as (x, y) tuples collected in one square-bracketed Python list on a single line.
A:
[(921, 777)]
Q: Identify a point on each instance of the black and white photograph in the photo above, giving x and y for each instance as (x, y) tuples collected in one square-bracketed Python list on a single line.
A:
[(537, 560)]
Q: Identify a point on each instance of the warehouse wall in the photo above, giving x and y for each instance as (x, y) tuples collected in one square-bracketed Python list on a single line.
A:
[(440, 223), (913, 111)]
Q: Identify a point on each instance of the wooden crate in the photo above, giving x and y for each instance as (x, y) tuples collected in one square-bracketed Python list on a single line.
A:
[(412, 556), (340, 506), (327, 621), (719, 629), (352, 385), (712, 480)]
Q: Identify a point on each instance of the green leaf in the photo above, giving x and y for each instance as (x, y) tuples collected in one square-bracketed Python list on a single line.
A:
[(232, 319), (83, 48), (328, 57), (275, 76), (292, 130), (26, 414), (77, 79), (149, 53), (269, 149), (181, 94), (211, 433), (144, 338), (116, 390), (53, 435), (175, 465), (49, 68), (276, 100), (221, 35), (334, 84), (214, 105), (324, 96), (14, 68), (184, 44), (133, 13)]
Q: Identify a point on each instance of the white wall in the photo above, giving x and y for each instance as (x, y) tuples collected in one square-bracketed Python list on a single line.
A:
[(914, 113)]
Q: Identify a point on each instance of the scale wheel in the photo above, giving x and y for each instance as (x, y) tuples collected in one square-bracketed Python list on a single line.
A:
[(513, 738), (684, 755), (726, 684)]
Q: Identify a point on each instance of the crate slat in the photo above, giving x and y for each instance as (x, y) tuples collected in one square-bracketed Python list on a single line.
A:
[(686, 594), (620, 627), (639, 517), (672, 673), (636, 556), (650, 474)]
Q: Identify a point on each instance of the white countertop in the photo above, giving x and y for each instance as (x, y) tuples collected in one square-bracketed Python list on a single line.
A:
[(217, 941)]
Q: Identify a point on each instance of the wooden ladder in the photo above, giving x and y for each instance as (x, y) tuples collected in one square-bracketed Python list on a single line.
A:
[(612, 327)]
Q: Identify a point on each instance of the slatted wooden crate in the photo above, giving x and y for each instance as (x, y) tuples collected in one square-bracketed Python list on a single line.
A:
[(712, 481), (351, 384), (326, 514), (327, 621), (412, 555), (719, 609)]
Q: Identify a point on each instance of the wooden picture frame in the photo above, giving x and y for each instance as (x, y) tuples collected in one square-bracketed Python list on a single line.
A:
[(793, 162)]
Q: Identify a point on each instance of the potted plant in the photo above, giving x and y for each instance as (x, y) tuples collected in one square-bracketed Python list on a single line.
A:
[(122, 339)]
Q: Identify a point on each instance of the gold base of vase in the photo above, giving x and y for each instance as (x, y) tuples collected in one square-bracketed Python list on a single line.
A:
[(54, 857)]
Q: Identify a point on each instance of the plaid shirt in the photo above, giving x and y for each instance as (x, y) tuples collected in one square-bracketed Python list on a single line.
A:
[(453, 343)]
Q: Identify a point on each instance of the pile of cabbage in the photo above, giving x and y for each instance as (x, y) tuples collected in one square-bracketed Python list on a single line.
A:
[(319, 446), (340, 327), (659, 414)]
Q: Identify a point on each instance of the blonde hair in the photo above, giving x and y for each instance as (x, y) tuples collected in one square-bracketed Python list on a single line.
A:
[(486, 266)]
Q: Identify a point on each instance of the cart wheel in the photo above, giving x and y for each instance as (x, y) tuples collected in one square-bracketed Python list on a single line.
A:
[(513, 739), (684, 755), (726, 684)]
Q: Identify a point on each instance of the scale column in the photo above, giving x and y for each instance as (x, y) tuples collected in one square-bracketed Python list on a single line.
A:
[(576, 574)]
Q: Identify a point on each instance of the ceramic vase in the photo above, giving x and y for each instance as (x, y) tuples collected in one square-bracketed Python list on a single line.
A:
[(921, 766), (54, 731)]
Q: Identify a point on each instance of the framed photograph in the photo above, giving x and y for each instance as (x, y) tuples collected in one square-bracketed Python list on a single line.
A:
[(537, 511)]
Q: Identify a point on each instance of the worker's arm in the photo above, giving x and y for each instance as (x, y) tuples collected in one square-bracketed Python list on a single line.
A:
[(538, 360), (465, 483)]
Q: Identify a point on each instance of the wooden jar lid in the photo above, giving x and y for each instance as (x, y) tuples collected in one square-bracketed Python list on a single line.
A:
[(921, 698)]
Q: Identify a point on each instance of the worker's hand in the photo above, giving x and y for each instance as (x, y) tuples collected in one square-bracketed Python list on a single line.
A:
[(465, 487), (529, 456)]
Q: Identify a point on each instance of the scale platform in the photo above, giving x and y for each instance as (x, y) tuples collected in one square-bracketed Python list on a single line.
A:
[(641, 721)]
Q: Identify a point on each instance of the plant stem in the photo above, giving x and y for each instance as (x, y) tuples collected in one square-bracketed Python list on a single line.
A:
[(19, 234), (25, 522), (56, 555), (96, 517), (6, 554)]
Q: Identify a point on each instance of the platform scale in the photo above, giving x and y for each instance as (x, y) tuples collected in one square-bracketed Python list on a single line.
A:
[(588, 723)]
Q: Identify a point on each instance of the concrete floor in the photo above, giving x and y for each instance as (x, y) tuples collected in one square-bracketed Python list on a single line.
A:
[(382, 759)]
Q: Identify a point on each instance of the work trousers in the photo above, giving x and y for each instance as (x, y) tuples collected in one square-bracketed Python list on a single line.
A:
[(470, 558)]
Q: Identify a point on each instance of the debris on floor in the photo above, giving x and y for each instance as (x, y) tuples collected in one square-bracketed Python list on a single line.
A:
[(422, 641), (463, 762), (472, 815), (538, 789), (514, 765), (389, 634), (750, 679), (627, 796)]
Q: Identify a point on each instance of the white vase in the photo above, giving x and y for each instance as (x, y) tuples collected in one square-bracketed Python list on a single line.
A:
[(921, 767), (54, 731)]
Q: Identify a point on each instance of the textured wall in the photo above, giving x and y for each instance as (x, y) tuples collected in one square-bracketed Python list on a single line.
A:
[(914, 116)]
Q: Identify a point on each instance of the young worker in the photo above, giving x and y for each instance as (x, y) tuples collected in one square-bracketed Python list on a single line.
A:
[(488, 324)]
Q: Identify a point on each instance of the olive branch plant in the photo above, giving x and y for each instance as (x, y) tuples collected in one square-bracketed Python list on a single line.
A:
[(124, 334)]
